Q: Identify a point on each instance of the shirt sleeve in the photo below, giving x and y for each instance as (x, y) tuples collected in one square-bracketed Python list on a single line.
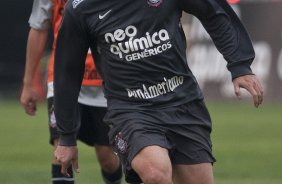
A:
[(71, 50), (41, 14), (227, 32)]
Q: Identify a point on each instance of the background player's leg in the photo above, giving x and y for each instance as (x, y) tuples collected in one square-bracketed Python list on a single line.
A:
[(193, 174), (110, 164), (94, 132)]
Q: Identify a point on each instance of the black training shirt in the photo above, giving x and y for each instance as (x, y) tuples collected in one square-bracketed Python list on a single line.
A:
[(140, 51)]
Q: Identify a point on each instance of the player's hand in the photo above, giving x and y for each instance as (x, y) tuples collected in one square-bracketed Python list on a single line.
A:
[(66, 156), (29, 99), (252, 85)]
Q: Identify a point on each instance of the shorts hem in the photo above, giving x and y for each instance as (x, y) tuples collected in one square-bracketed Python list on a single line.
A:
[(194, 162)]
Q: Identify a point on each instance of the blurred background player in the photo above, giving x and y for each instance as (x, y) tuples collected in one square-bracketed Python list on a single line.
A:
[(91, 108)]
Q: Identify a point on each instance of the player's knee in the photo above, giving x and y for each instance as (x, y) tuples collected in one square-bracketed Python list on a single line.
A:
[(109, 166), (156, 173), (156, 176)]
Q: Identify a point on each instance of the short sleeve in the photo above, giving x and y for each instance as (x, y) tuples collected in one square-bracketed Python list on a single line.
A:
[(41, 14)]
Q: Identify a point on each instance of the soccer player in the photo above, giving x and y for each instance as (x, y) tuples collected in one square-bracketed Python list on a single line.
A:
[(92, 104), (160, 126)]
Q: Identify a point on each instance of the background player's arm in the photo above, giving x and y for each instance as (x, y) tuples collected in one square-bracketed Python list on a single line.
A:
[(36, 43), (231, 39)]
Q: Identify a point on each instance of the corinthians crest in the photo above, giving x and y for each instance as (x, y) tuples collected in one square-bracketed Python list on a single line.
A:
[(154, 3), (121, 144)]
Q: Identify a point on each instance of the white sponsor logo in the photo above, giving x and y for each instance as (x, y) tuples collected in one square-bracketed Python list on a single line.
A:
[(104, 15), (155, 3), (125, 45), (75, 3), (166, 86)]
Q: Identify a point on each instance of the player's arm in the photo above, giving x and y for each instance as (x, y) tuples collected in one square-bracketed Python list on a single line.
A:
[(37, 38), (71, 50), (231, 39)]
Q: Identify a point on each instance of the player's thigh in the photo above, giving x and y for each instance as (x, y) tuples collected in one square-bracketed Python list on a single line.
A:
[(132, 135), (193, 174), (152, 159)]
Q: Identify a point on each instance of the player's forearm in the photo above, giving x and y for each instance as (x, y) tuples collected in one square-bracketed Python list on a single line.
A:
[(231, 39), (226, 31), (35, 49), (66, 107), (71, 51), (67, 83)]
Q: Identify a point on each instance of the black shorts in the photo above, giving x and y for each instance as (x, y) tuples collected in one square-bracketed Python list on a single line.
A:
[(92, 130), (184, 130)]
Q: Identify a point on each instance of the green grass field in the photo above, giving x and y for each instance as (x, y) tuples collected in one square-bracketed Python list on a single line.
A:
[(247, 143)]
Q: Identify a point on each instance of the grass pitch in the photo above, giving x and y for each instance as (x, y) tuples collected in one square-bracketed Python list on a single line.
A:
[(247, 143)]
